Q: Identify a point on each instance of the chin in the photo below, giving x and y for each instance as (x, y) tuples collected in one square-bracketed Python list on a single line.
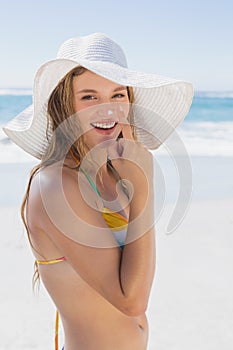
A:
[(105, 142), (102, 140)]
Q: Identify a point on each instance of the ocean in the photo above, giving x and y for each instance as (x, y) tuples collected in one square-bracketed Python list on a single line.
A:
[(206, 131)]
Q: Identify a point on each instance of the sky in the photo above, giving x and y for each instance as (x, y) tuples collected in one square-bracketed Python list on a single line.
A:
[(189, 40)]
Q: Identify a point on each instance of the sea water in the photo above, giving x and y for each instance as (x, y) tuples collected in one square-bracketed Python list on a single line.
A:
[(206, 131)]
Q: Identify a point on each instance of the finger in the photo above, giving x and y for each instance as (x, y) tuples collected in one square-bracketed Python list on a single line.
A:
[(112, 151), (125, 126)]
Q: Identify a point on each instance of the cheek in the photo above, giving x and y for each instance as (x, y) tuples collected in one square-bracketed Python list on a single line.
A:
[(125, 104), (83, 116), (126, 108), (79, 106), (84, 123)]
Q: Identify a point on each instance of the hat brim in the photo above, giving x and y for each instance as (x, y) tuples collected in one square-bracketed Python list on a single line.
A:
[(160, 105)]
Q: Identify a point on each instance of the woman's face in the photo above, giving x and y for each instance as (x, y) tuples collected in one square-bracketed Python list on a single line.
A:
[(97, 101)]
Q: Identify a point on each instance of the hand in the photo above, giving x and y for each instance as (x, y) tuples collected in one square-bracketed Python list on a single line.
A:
[(131, 159)]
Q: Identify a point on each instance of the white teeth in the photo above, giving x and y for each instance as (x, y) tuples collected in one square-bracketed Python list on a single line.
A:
[(104, 125)]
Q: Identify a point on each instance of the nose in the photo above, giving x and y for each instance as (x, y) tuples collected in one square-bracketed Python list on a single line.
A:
[(106, 111)]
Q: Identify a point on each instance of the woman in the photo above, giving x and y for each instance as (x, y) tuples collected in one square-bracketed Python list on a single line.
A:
[(89, 205)]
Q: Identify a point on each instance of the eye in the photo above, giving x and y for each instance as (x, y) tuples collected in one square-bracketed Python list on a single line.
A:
[(118, 96), (88, 97)]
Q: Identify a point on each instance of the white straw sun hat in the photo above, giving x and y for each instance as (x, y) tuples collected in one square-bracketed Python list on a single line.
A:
[(161, 103)]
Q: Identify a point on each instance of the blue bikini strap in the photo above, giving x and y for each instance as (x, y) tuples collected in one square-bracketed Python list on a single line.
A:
[(91, 182)]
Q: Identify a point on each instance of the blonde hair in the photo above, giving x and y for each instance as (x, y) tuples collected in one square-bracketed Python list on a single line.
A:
[(60, 108)]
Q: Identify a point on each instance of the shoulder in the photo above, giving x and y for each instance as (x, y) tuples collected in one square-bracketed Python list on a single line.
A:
[(52, 179), (63, 203), (55, 190), (46, 188)]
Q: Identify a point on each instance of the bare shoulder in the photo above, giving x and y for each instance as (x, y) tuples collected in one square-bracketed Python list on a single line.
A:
[(62, 198), (51, 179), (48, 188)]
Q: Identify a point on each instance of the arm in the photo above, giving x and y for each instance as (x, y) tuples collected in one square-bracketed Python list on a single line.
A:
[(138, 264), (138, 259)]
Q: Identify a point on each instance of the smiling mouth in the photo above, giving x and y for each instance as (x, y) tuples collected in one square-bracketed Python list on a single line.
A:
[(104, 126)]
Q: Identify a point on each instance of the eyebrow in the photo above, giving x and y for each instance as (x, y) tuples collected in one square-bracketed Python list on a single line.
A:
[(119, 88)]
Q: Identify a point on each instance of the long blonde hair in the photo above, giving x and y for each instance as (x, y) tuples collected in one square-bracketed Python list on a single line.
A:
[(60, 108)]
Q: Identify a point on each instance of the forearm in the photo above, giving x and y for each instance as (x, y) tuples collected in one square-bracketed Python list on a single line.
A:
[(138, 257)]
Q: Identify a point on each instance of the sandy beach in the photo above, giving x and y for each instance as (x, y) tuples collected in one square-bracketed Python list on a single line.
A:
[(190, 305)]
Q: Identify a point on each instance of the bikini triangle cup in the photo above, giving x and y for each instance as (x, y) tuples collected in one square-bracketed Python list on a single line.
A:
[(115, 221)]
